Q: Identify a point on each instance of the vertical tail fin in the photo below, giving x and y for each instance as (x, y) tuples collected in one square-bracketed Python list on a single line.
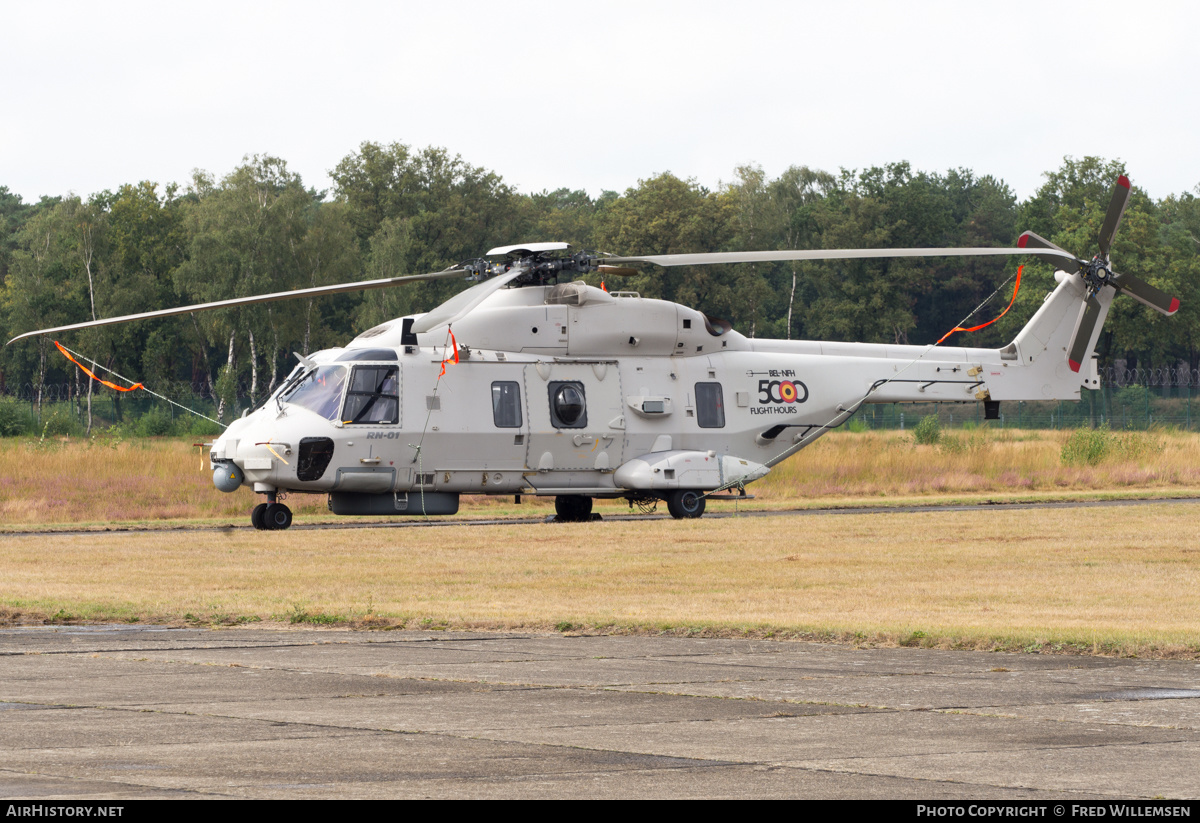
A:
[(1043, 346)]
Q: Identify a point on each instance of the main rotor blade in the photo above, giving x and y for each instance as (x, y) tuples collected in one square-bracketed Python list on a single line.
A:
[(1116, 209), (617, 271), (711, 258), (1084, 326), (246, 301), (1144, 293), (463, 302), (1029, 240)]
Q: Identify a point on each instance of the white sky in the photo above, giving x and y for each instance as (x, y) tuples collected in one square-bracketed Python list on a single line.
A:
[(596, 95)]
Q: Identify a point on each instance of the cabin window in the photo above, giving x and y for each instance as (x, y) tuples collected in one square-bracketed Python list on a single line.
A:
[(568, 405), (374, 395), (710, 406), (319, 391), (506, 404)]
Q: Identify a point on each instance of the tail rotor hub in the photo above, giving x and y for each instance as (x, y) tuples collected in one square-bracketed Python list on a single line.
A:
[(1097, 274)]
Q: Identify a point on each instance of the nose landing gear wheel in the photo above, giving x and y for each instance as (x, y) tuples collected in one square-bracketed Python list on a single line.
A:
[(277, 516), (685, 503), (258, 516), (573, 508)]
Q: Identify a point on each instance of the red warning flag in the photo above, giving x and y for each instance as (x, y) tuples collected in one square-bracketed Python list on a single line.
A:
[(1016, 288), (89, 373), (450, 357)]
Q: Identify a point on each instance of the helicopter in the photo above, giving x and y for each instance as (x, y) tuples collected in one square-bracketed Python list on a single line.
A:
[(532, 382)]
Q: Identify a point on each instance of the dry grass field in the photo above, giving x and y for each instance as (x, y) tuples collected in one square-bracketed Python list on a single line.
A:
[(94, 483), (1122, 580), (1110, 579)]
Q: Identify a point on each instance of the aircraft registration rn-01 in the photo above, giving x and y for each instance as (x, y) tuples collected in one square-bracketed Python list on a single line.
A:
[(531, 382)]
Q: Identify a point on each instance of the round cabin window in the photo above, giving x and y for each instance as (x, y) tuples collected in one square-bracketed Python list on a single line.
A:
[(568, 404)]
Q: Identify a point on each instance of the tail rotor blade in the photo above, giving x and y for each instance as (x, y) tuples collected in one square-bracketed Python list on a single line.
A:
[(1144, 293), (1116, 210), (1029, 240), (1084, 326)]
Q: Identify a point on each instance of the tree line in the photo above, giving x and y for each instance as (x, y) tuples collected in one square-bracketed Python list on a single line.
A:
[(396, 210)]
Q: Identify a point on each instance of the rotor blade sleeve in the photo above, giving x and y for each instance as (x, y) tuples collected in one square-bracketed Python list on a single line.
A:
[(246, 301), (1089, 313), (463, 302), (1029, 241), (1143, 292), (711, 258), (1116, 210)]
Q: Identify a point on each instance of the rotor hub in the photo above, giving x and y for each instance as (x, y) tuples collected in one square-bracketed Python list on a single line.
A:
[(1097, 274), (538, 268)]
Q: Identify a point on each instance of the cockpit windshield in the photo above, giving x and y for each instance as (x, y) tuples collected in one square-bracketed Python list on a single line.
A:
[(294, 375), (320, 391)]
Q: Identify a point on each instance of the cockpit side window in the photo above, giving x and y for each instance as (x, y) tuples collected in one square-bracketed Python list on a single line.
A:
[(374, 395), (320, 391)]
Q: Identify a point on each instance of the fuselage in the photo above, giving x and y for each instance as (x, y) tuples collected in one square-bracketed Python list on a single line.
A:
[(572, 390)]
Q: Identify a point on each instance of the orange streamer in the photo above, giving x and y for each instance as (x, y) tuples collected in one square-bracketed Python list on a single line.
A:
[(1016, 288), (89, 373), (448, 358)]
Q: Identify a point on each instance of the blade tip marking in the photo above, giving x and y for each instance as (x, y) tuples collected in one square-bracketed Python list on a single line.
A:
[(1123, 181), (1074, 365), (1174, 307)]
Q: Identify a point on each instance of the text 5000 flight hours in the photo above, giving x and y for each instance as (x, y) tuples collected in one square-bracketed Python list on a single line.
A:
[(782, 391)]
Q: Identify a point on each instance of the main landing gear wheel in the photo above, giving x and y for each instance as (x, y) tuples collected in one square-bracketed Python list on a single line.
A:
[(573, 508), (685, 503), (258, 516), (277, 516)]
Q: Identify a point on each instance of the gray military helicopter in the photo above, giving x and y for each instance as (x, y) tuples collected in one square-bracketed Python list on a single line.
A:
[(562, 389)]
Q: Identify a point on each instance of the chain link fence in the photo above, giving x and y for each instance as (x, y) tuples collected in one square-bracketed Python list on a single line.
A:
[(63, 392), (1128, 398), (64, 409)]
